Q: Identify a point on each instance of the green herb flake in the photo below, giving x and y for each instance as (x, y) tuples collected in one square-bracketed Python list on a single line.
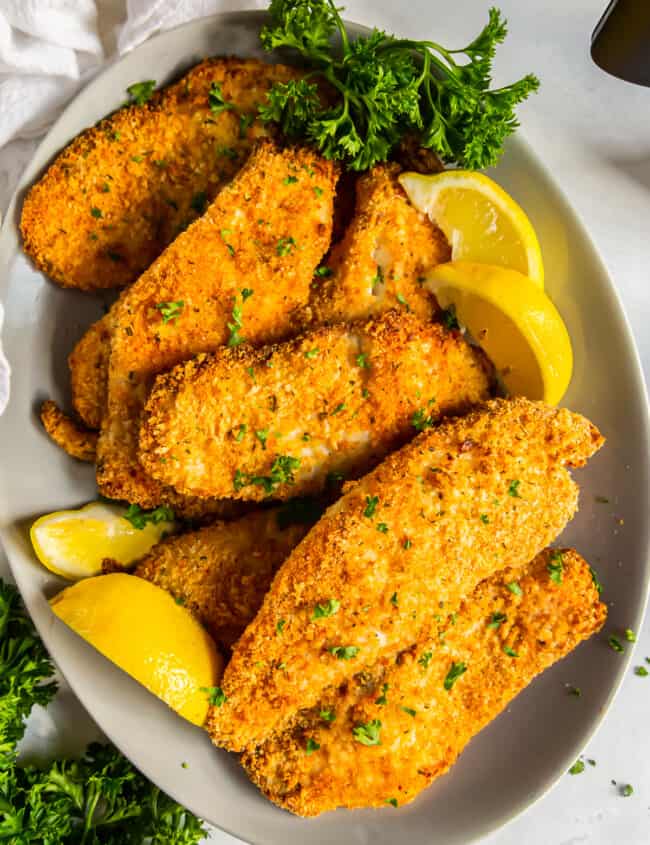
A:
[(392, 802), (344, 652), (394, 600), (245, 121), (382, 700), (141, 92), (241, 432), (368, 733), (575, 691), (555, 567), (262, 435), (602, 500), (216, 100), (496, 620), (510, 651), (577, 768), (139, 518), (285, 246), (323, 272), (615, 644), (485, 519), (327, 715), (170, 310), (626, 790), (630, 636), (312, 353), (641, 671), (410, 711), (514, 588), (325, 609), (282, 470), (96, 212), (382, 527), (406, 543), (596, 580), (421, 420), (362, 361), (513, 489), (371, 506), (425, 659), (216, 696), (311, 746), (340, 407), (318, 191), (289, 180), (279, 628), (454, 673)]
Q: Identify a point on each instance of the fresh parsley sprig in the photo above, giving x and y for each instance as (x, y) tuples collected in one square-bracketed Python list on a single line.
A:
[(386, 87)]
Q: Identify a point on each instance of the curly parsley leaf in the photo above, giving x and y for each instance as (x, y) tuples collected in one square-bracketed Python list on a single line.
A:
[(141, 92)]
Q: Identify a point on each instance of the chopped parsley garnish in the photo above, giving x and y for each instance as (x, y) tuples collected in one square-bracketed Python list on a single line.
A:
[(627, 790), (323, 271), (402, 301), (449, 319), (615, 644), (170, 310), (245, 120), (421, 420), (285, 246), (641, 671), (382, 527), (311, 746), (362, 361), (235, 328), (555, 567), (289, 180), (630, 636), (241, 432), (514, 588), (344, 652), (140, 92), (425, 659), (180, 600), (378, 279), (577, 768), (513, 489), (327, 715), (371, 506), (105, 188), (392, 802), (410, 711), (281, 472), (485, 519), (262, 435), (510, 651), (496, 620), (575, 691), (595, 579), (602, 500), (96, 212), (216, 101), (139, 518), (318, 191), (406, 544), (312, 353), (199, 202), (325, 609), (382, 700), (394, 600), (216, 696), (454, 673), (340, 407), (368, 733), (279, 628), (225, 234)]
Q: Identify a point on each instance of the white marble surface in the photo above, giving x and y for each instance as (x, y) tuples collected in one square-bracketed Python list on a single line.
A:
[(594, 132)]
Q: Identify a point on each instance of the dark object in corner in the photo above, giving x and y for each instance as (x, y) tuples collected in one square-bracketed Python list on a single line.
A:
[(620, 43)]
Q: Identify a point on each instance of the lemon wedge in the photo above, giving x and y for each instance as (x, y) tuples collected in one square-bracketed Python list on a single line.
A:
[(140, 628), (479, 219), (73, 543), (513, 321)]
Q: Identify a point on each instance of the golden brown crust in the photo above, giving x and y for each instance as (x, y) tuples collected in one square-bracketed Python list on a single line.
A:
[(458, 503), (67, 433), (214, 423), (266, 232), (222, 572), (424, 727), (148, 171), (88, 364), (381, 261)]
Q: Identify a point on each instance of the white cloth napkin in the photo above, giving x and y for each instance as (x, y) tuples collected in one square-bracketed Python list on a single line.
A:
[(49, 49)]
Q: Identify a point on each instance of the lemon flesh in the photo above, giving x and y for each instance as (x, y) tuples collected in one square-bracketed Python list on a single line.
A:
[(514, 321), (140, 628), (479, 219), (73, 543)]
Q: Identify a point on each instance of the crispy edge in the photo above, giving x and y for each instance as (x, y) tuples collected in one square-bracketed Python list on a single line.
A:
[(88, 363), (73, 438)]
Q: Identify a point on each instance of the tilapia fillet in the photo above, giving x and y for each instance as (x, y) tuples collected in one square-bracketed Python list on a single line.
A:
[(335, 400), (389, 733), (238, 273), (121, 191), (448, 510)]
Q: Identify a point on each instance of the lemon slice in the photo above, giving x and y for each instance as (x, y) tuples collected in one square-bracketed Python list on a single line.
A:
[(514, 321), (140, 628), (480, 220), (74, 543)]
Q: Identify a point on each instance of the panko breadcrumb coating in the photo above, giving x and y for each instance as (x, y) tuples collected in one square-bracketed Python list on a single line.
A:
[(222, 572), (455, 505), (401, 724), (124, 189), (73, 438), (238, 273), (88, 364), (333, 402), (383, 258)]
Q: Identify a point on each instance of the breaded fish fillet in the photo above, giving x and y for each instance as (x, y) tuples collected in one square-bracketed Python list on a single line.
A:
[(77, 441), (238, 273), (455, 505), (123, 189), (88, 364), (222, 572), (402, 724), (380, 263), (280, 421)]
